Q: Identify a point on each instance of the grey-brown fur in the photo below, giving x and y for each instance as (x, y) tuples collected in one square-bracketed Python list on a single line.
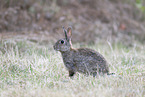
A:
[(83, 60)]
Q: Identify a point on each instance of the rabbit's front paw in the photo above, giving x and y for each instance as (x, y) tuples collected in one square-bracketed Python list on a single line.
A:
[(71, 73)]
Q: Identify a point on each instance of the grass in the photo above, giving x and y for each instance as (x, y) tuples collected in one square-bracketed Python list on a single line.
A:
[(32, 70)]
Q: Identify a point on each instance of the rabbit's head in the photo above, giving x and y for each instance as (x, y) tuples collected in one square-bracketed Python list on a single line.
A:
[(64, 44)]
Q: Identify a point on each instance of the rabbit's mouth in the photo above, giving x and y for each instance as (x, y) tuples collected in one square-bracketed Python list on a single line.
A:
[(55, 48)]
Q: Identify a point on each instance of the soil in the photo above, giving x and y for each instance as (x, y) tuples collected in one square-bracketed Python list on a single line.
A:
[(93, 21)]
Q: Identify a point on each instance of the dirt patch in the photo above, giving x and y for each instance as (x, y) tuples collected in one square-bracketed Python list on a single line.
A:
[(92, 20)]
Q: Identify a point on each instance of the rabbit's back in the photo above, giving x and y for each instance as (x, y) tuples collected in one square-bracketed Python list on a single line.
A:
[(90, 61)]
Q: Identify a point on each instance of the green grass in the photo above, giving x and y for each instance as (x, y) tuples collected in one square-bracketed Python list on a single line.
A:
[(32, 70)]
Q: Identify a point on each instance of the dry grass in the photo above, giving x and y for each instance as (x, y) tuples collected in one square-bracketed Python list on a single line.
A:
[(32, 70)]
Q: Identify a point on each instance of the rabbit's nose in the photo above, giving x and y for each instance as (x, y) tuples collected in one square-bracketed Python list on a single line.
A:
[(54, 47)]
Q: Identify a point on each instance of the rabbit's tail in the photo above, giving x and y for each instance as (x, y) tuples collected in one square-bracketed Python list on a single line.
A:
[(110, 73)]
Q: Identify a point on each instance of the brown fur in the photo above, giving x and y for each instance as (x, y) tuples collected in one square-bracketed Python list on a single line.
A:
[(83, 60)]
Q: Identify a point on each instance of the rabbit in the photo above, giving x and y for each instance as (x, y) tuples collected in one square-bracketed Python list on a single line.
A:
[(82, 60)]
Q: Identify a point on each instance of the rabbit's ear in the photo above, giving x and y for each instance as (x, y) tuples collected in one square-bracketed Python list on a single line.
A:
[(69, 32), (65, 33)]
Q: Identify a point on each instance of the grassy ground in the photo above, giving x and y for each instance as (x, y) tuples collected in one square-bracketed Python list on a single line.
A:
[(32, 70)]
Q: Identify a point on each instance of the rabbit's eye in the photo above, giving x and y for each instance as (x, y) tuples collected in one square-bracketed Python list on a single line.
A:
[(62, 41)]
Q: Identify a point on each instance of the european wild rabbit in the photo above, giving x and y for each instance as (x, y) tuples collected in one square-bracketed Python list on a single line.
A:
[(83, 60)]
